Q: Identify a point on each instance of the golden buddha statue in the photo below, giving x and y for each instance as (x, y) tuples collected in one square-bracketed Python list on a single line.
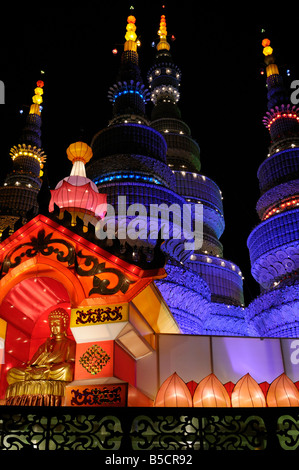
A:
[(42, 380)]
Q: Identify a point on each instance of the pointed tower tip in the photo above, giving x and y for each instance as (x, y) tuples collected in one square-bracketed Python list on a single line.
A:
[(269, 60), (37, 99), (131, 36), (281, 119), (163, 44)]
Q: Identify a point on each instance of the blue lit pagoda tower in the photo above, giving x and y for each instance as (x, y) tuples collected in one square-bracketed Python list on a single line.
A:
[(223, 277), (129, 159), (274, 243), (18, 195)]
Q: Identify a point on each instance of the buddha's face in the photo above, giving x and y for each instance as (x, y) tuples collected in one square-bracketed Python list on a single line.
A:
[(57, 326)]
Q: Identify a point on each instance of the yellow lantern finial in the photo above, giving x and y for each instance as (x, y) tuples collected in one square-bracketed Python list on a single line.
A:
[(163, 44), (131, 36), (37, 98), (271, 68)]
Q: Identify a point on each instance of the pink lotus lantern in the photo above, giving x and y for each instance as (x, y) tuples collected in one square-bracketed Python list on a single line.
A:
[(283, 392), (173, 392), (211, 392), (247, 393), (77, 193)]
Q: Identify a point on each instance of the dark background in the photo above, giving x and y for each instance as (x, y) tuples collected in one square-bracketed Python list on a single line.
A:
[(223, 94)]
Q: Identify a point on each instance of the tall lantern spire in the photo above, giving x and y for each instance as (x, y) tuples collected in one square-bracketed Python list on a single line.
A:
[(129, 94), (282, 118), (31, 133), (183, 158), (273, 244), (18, 196), (164, 79)]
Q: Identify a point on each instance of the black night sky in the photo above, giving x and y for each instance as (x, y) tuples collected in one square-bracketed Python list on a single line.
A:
[(223, 95)]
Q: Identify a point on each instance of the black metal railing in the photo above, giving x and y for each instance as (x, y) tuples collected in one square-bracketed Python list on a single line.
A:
[(150, 429)]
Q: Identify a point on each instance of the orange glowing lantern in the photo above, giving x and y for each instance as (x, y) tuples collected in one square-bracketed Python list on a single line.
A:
[(79, 151), (266, 42), (131, 19), (211, 392), (283, 392), (247, 393), (173, 392), (40, 83)]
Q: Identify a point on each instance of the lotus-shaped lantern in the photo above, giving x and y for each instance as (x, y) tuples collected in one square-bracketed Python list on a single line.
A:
[(173, 392)]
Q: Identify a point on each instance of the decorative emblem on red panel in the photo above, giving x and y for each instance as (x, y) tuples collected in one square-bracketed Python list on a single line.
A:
[(109, 395), (94, 359), (99, 315)]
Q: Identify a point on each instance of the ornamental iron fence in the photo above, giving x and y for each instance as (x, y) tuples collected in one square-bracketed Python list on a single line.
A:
[(150, 429)]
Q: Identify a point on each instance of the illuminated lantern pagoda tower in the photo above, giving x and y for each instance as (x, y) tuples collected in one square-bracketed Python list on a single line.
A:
[(129, 156), (18, 195), (223, 277), (130, 160), (274, 243)]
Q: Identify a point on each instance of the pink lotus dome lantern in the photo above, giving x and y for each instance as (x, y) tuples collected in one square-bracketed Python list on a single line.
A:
[(173, 392), (76, 193)]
